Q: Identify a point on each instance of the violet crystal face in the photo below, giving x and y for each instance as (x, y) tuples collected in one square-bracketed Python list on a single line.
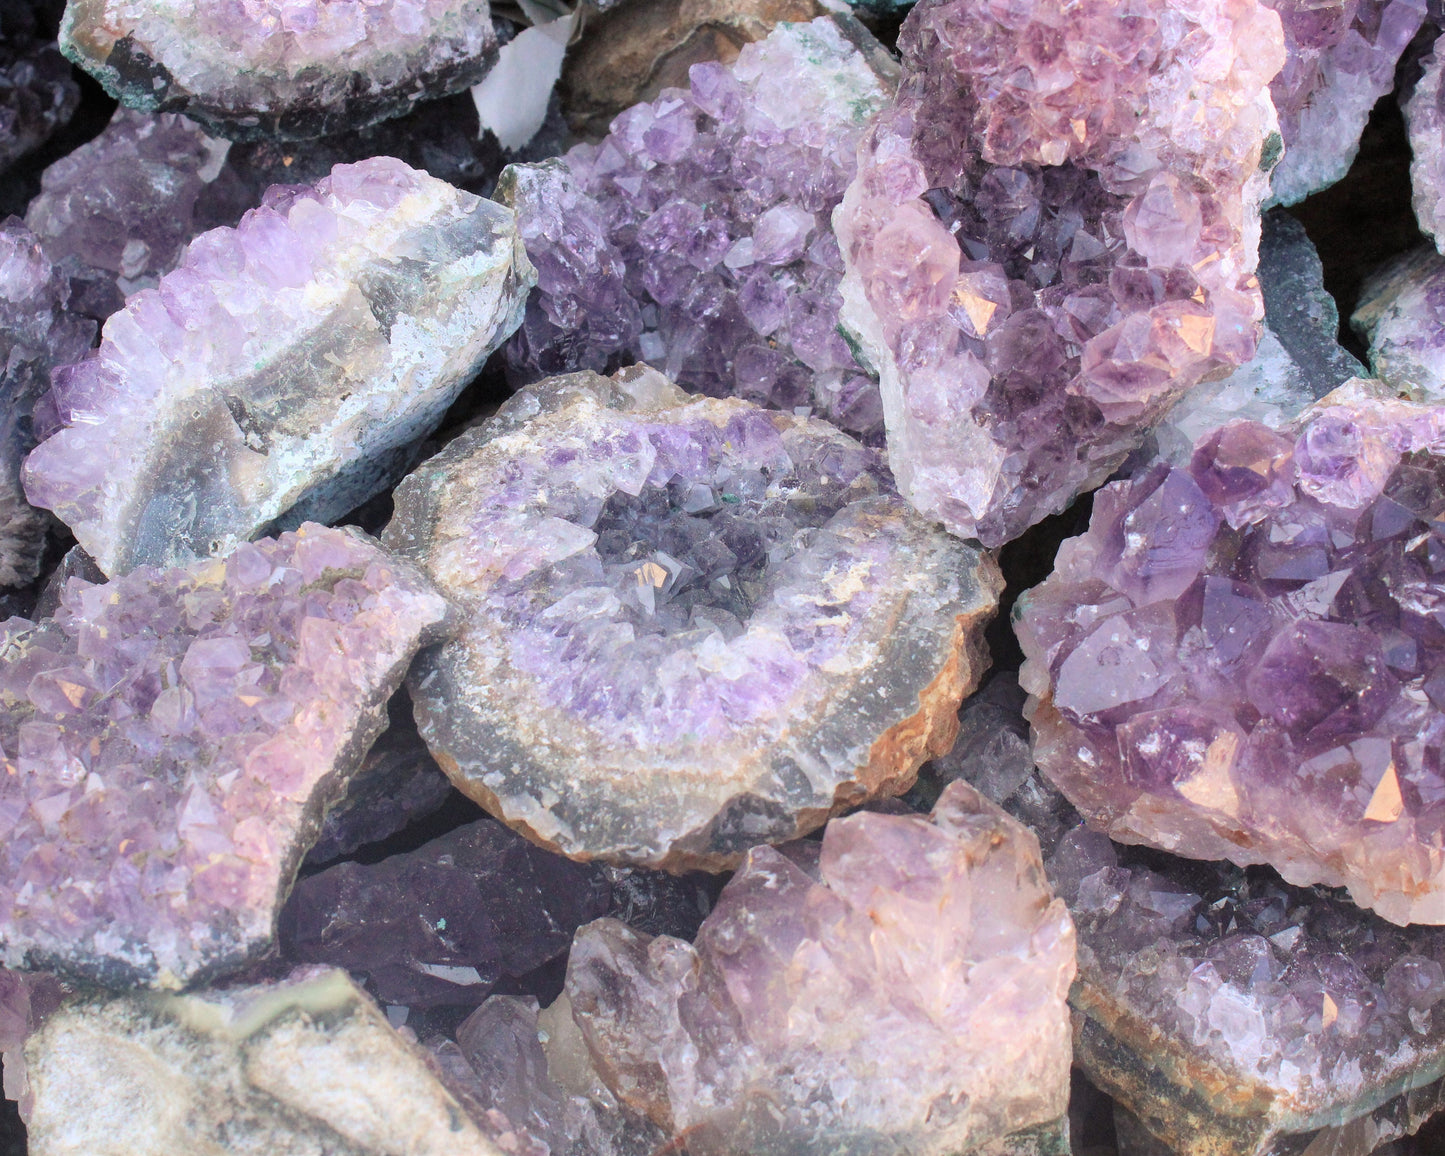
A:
[(695, 236), (172, 738), (289, 69), (1240, 660), (1051, 237), (286, 368), (898, 987), (693, 625)]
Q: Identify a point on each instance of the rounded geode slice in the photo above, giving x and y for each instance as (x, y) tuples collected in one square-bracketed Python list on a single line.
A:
[(1243, 659), (288, 69), (693, 625)]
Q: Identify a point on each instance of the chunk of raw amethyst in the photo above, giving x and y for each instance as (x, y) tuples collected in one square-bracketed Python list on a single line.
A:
[(693, 625), (38, 94), (899, 987), (116, 212), (1298, 361), (1340, 58), (696, 235), (1402, 315), (286, 368), (1051, 237), (1234, 1014), (442, 924), (1425, 121), (1239, 660), (37, 332), (172, 739), (305, 1065), (290, 70)]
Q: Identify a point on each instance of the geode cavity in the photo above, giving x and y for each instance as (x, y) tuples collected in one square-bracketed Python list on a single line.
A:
[(286, 367), (693, 626)]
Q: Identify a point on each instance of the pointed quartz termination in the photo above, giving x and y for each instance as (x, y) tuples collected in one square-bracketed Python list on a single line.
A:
[(696, 235), (172, 739), (1298, 361), (38, 331), (307, 1066), (899, 986), (1402, 315), (1051, 237), (289, 69), (1425, 123), (1340, 58), (1233, 1014), (285, 368), (1240, 658), (693, 625), (441, 925)]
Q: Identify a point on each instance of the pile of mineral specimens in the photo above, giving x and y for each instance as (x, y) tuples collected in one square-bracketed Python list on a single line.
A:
[(722, 578)]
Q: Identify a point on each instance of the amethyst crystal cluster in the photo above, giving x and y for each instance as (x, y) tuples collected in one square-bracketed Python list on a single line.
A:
[(267, 68), (695, 236), (693, 625), (38, 331), (171, 739), (1340, 58), (1425, 117), (1239, 659), (1402, 315), (1052, 235), (287, 367), (37, 92)]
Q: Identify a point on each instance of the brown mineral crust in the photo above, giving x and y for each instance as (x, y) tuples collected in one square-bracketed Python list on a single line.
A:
[(633, 52)]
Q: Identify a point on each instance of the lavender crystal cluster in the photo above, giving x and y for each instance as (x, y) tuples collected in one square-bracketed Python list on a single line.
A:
[(1052, 236), (695, 236)]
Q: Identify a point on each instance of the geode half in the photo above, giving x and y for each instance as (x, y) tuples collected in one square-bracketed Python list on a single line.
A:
[(693, 625), (290, 69), (286, 367), (171, 739), (1241, 659)]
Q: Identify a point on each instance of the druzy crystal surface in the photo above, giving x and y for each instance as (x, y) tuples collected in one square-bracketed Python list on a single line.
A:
[(1340, 58), (306, 1066), (1052, 235), (1425, 120), (1402, 315), (693, 625), (290, 69), (286, 367), (37, 332), (442, 924), (172, 738), (1239, 660), (899, 986), (695, 236), (1233, 1014)]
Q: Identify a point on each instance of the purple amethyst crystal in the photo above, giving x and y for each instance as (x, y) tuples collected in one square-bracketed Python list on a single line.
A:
[(693, 625), (442, 924), (696, 235), (284, 370), (1340, 58), (898, 987), (289, 69), (1239, 659), (38, 94), (1401, 314), (1051, 237), (173, 738), (37, 333), (1425, 118)]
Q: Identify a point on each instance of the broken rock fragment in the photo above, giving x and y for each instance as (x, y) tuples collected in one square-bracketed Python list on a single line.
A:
[(1049, 241), (1239, 660), (899, 986), (172, 739), (693, 625), (286, 367), (289, 70), (696, 235), (307, 1066)]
